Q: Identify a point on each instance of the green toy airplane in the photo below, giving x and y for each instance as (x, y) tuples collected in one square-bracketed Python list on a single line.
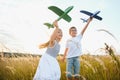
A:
[(60, 13)]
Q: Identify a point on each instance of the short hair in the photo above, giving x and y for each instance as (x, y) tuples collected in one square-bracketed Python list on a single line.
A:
[(71, 28)]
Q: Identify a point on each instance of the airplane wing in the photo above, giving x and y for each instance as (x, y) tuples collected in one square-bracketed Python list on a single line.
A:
[(90, 14), (56, 10), (97, 17), (86, 12), (67, 18), (59, 12)]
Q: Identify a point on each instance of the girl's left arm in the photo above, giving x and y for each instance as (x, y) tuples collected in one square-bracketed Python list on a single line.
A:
[(53, 36)]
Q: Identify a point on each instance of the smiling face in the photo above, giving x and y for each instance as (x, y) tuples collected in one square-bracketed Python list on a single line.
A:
[(73, 31), (59, 34)]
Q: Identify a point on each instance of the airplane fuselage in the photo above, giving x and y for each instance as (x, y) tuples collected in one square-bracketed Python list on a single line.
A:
[(94, 14)]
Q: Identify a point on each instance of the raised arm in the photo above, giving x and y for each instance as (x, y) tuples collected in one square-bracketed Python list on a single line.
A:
[(53, 36), (84, 29)]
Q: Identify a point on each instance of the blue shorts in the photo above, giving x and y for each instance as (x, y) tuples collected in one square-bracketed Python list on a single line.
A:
[(73, 66)]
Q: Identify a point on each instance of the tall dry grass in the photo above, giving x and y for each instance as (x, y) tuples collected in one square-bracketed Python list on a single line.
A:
[(18, 68), (92, 67)]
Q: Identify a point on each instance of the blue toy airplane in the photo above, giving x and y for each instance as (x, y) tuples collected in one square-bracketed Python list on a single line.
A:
[(94, 15), (62, 14)]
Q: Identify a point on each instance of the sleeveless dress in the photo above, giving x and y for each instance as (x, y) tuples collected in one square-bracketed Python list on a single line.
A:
[(48, 67)]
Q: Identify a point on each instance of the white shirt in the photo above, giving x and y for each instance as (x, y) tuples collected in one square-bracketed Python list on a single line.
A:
[(74, 46)]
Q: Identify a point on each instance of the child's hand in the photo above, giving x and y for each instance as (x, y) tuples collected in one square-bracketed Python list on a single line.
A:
[(90, 19), (63, 59), (55, 23)]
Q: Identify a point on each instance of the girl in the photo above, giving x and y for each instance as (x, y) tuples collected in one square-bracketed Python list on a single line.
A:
[(48, 67)]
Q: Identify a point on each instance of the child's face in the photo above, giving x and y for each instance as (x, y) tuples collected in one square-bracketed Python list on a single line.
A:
[(59, 34), (73, 32)]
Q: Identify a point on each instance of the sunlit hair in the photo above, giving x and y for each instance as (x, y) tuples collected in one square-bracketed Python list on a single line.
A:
[(44, 45), (71, 28)]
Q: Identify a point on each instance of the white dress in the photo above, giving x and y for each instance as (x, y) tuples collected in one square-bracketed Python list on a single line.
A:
[(48, 67)]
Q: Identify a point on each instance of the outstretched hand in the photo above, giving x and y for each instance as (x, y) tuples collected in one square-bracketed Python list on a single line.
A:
[(90, 19), (55, 23)]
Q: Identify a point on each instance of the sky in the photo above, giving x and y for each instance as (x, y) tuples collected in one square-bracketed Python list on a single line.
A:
[(22, 29)]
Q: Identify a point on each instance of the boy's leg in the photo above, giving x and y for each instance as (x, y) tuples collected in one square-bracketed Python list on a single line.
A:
[(76, 68), (69, 68)]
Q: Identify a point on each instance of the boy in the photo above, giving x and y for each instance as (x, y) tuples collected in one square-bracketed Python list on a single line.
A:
[(73, 51)]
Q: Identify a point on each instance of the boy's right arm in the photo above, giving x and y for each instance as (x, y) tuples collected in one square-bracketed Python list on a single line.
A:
[(65, 53)]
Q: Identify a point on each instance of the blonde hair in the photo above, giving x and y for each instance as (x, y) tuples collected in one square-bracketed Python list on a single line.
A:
[(44, 45)]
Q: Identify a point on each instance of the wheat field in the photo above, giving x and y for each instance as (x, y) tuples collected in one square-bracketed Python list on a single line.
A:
[(92, 68)]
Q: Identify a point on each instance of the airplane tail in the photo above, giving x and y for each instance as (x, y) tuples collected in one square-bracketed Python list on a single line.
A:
[(84, 20), (49, 25)]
